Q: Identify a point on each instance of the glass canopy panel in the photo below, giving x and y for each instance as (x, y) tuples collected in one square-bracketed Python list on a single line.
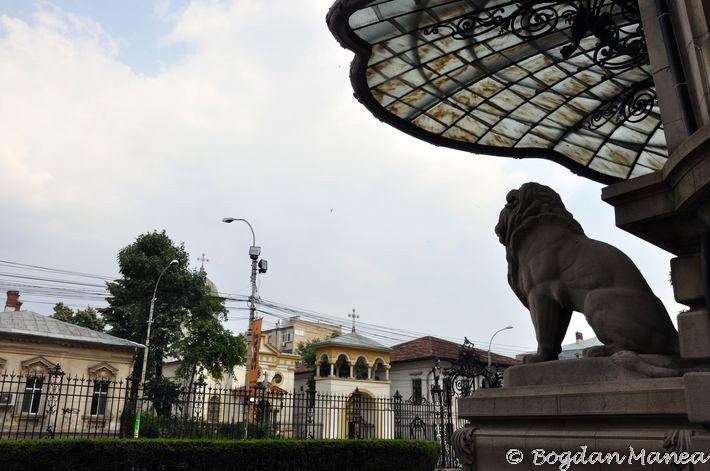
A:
[(566, 80)]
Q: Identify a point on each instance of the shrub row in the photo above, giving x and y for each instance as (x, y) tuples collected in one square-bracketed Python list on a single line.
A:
[(177, 427), (178, 454)]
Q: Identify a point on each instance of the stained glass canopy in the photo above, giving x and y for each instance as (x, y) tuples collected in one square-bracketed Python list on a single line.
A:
[(565, 80)]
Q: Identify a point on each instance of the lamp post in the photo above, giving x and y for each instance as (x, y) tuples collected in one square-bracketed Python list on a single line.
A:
[(491, 342), (141, 385), (257, 266)]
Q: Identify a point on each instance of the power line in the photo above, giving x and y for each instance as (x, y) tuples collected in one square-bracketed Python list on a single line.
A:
[(47, 287)]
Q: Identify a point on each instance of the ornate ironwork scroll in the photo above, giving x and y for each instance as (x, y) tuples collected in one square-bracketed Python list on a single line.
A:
[(466, 374), (469, 372), (469, 26), (632, 106), (616, 24), (54, 390)]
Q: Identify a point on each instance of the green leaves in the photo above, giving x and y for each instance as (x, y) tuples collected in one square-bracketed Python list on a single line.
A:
[(187, 315), (88, 317), (307, 352)]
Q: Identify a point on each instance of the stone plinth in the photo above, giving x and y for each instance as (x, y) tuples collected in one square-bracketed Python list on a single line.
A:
[(615, 410), (585, 370)]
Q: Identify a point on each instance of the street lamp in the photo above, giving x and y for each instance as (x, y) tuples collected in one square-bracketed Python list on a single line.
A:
[(257, 266), (139, 404), (491, 342)]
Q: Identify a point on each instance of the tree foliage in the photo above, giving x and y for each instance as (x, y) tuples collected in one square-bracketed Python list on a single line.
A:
[(306, 350), (207, 346), (88, 317), (186, 318), (163, 393)]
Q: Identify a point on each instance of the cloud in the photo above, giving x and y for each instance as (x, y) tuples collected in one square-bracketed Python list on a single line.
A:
[(256, 119)]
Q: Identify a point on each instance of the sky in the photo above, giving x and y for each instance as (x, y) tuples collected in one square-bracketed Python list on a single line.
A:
[(122, 117)]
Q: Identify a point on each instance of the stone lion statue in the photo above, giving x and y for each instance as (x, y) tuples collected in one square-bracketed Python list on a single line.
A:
[(555, 269)]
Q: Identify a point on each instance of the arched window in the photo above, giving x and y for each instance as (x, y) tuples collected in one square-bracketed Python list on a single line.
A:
[(361, 368), (378, 370), (324, 368), (360, 415), (342, 366)]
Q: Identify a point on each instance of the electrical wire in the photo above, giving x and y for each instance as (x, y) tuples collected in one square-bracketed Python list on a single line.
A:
[(52, 287)]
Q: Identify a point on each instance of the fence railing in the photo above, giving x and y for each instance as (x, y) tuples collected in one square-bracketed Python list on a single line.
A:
[(55, 405)]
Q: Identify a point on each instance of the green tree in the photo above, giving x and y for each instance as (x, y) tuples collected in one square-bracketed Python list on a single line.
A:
[(185, 314), (88, 317), (63, 312), (306, 350), (207, 344)]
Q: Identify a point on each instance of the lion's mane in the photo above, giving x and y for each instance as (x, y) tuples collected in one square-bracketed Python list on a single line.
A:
[(527, 207)]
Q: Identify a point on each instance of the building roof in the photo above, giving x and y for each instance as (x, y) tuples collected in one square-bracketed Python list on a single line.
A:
[(301, 368), (582, 344), (353, 339), (28, 323), (296, 320), (571, 347), (430, 347)]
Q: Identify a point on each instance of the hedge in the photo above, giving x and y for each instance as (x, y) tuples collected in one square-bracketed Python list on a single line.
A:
[(177, 427), (184, 454)]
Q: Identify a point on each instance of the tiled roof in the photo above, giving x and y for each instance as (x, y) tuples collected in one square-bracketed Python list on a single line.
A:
[(353, 339), (301, 368), (432, 347), (30, 323)]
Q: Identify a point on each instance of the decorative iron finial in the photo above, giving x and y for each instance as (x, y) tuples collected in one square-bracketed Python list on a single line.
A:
[(202, 259), (354, 316)]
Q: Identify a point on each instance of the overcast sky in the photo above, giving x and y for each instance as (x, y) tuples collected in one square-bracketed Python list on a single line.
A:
[(120, 117)]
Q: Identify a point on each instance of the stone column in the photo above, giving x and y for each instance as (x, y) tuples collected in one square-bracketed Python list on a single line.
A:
[(387, 372), (352, 369), (369, 370), (332, 367), (693, 324), (318, 365)]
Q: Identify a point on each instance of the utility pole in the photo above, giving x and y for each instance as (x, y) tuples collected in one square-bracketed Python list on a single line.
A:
[(257, 266)]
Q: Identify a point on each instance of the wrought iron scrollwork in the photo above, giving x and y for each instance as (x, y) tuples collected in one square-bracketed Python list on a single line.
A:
[(469, 372), (616, 24), (633, 105), (466, 374), (470, 25)]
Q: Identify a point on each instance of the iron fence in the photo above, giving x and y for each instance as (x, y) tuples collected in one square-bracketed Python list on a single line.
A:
[(53, 405)]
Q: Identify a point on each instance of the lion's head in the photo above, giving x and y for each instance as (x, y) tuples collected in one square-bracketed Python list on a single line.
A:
[(532, 200)]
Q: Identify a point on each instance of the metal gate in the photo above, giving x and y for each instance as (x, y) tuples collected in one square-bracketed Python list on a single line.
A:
[(466, 374)]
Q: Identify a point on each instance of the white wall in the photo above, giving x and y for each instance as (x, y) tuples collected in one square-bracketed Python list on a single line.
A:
[(402, 374), (347, 386)]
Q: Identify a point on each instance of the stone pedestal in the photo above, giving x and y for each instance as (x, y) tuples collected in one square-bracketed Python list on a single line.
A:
[(611, 404), (612, 412)]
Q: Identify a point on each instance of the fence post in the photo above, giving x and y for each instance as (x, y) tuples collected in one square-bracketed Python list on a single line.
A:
[(54, 389), (437, 399), (397, 414)]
